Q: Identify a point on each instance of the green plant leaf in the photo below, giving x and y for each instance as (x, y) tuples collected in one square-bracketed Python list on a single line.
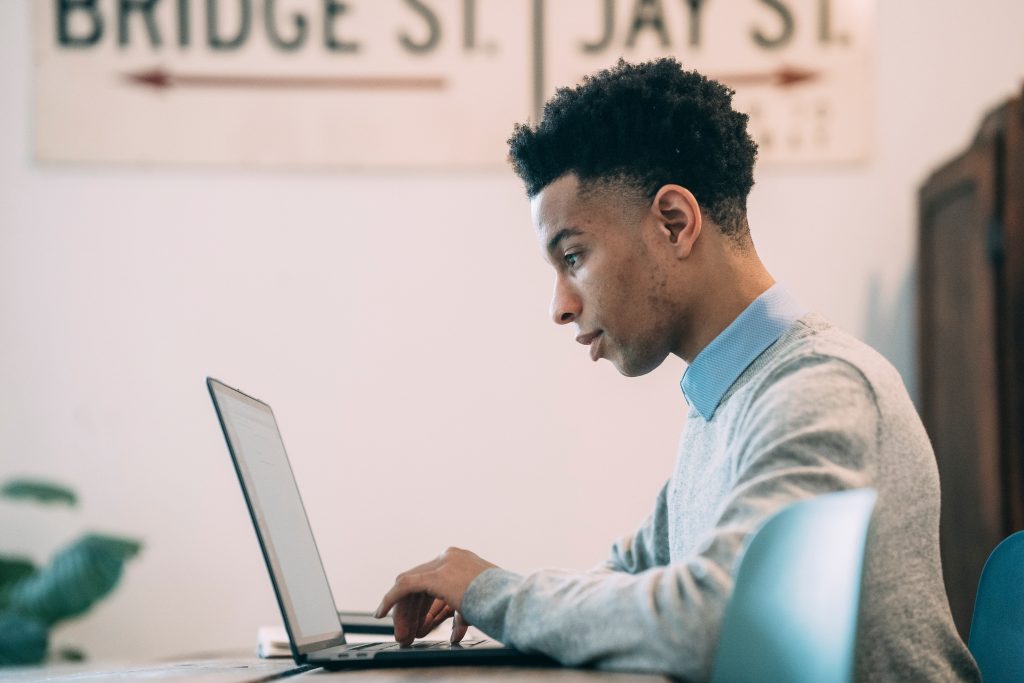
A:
[(13, 570), (23, 640), (125, 548), (78, 576), (38, 491), (70, 654)]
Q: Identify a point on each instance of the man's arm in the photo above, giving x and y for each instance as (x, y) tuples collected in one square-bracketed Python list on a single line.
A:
[(811, 432), (421, 613)]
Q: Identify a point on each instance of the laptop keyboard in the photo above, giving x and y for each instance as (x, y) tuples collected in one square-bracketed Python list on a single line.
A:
[(420, 645)]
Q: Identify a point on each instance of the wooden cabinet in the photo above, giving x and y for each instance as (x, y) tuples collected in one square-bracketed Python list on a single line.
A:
[(971, 345)]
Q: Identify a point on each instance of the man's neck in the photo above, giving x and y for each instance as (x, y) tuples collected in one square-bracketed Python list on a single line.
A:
[(734, 287)]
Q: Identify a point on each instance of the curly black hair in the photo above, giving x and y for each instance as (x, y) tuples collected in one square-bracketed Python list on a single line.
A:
[(647, 125)]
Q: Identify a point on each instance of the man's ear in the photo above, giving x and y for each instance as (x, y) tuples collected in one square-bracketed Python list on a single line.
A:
[(677, 214)]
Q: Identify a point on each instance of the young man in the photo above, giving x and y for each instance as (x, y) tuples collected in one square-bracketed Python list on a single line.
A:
[(638, 180)]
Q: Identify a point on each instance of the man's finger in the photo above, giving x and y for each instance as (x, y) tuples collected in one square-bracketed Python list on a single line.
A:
[(406, 619), (444, 616), (423, 608), (410, 613), (423, 625), (438, 613), (436, 608), (459, 628), (407, 584)]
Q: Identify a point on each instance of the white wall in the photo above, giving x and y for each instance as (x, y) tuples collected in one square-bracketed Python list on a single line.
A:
[(397, 323)]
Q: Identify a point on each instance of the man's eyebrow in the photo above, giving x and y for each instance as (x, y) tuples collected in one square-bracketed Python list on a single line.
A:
[(561, 235)]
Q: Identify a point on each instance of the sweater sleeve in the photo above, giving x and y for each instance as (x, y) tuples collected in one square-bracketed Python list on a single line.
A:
[(811, 432)]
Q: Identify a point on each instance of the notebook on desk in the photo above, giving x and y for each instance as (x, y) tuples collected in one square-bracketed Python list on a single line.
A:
[(315, 632), (359, 627)]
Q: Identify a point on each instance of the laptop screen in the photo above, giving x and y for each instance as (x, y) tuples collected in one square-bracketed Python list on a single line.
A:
[(281, 523)]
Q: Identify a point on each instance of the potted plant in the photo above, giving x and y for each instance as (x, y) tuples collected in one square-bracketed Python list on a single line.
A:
[(33, 599)]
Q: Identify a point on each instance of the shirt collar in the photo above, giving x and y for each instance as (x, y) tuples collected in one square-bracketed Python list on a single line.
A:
[(717, 367)]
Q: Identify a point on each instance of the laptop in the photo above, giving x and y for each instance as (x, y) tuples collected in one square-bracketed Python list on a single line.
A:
[(315, 632)]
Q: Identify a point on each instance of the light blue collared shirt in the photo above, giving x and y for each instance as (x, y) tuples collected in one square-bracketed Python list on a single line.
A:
[(722, 361)]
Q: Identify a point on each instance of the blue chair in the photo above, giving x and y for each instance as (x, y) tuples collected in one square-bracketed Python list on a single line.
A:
[(997, 629), (793, 612)]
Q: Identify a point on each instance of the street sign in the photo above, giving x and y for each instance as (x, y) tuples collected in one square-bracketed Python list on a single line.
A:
[(420, 83)]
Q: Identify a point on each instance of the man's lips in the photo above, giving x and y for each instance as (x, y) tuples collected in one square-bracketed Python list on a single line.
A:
[(593, 340)]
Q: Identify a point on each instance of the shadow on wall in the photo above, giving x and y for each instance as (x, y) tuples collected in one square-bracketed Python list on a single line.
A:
[(890, 326)]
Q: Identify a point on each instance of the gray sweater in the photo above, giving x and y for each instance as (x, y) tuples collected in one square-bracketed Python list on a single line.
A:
[(817, 411)]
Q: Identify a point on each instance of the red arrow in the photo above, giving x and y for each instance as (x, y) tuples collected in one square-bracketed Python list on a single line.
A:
[(784, 77), (159, 79)]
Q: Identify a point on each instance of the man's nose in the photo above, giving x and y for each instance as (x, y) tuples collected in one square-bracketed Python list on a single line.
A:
[(565, 303)]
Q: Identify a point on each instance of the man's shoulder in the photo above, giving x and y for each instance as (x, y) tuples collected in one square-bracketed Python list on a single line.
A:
[(814, 353), (814, 340)]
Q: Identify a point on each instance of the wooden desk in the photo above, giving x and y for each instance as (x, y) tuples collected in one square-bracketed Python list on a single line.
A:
[(475, 673), (249, 669), (226, 669)]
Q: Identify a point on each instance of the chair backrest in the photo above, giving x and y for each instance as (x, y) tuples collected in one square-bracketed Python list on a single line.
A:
[(793, 611), (997, 629)]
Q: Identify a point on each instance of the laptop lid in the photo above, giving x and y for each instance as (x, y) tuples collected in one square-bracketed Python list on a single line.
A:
[(282, 527)]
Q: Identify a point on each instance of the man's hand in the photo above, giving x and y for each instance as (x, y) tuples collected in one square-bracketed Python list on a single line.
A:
[(427, 595)]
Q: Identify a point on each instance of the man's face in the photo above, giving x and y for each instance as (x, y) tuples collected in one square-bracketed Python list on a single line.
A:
[(611, 274)]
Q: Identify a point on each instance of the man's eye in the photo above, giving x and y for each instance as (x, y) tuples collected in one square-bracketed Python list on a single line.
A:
[(572, 259)]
